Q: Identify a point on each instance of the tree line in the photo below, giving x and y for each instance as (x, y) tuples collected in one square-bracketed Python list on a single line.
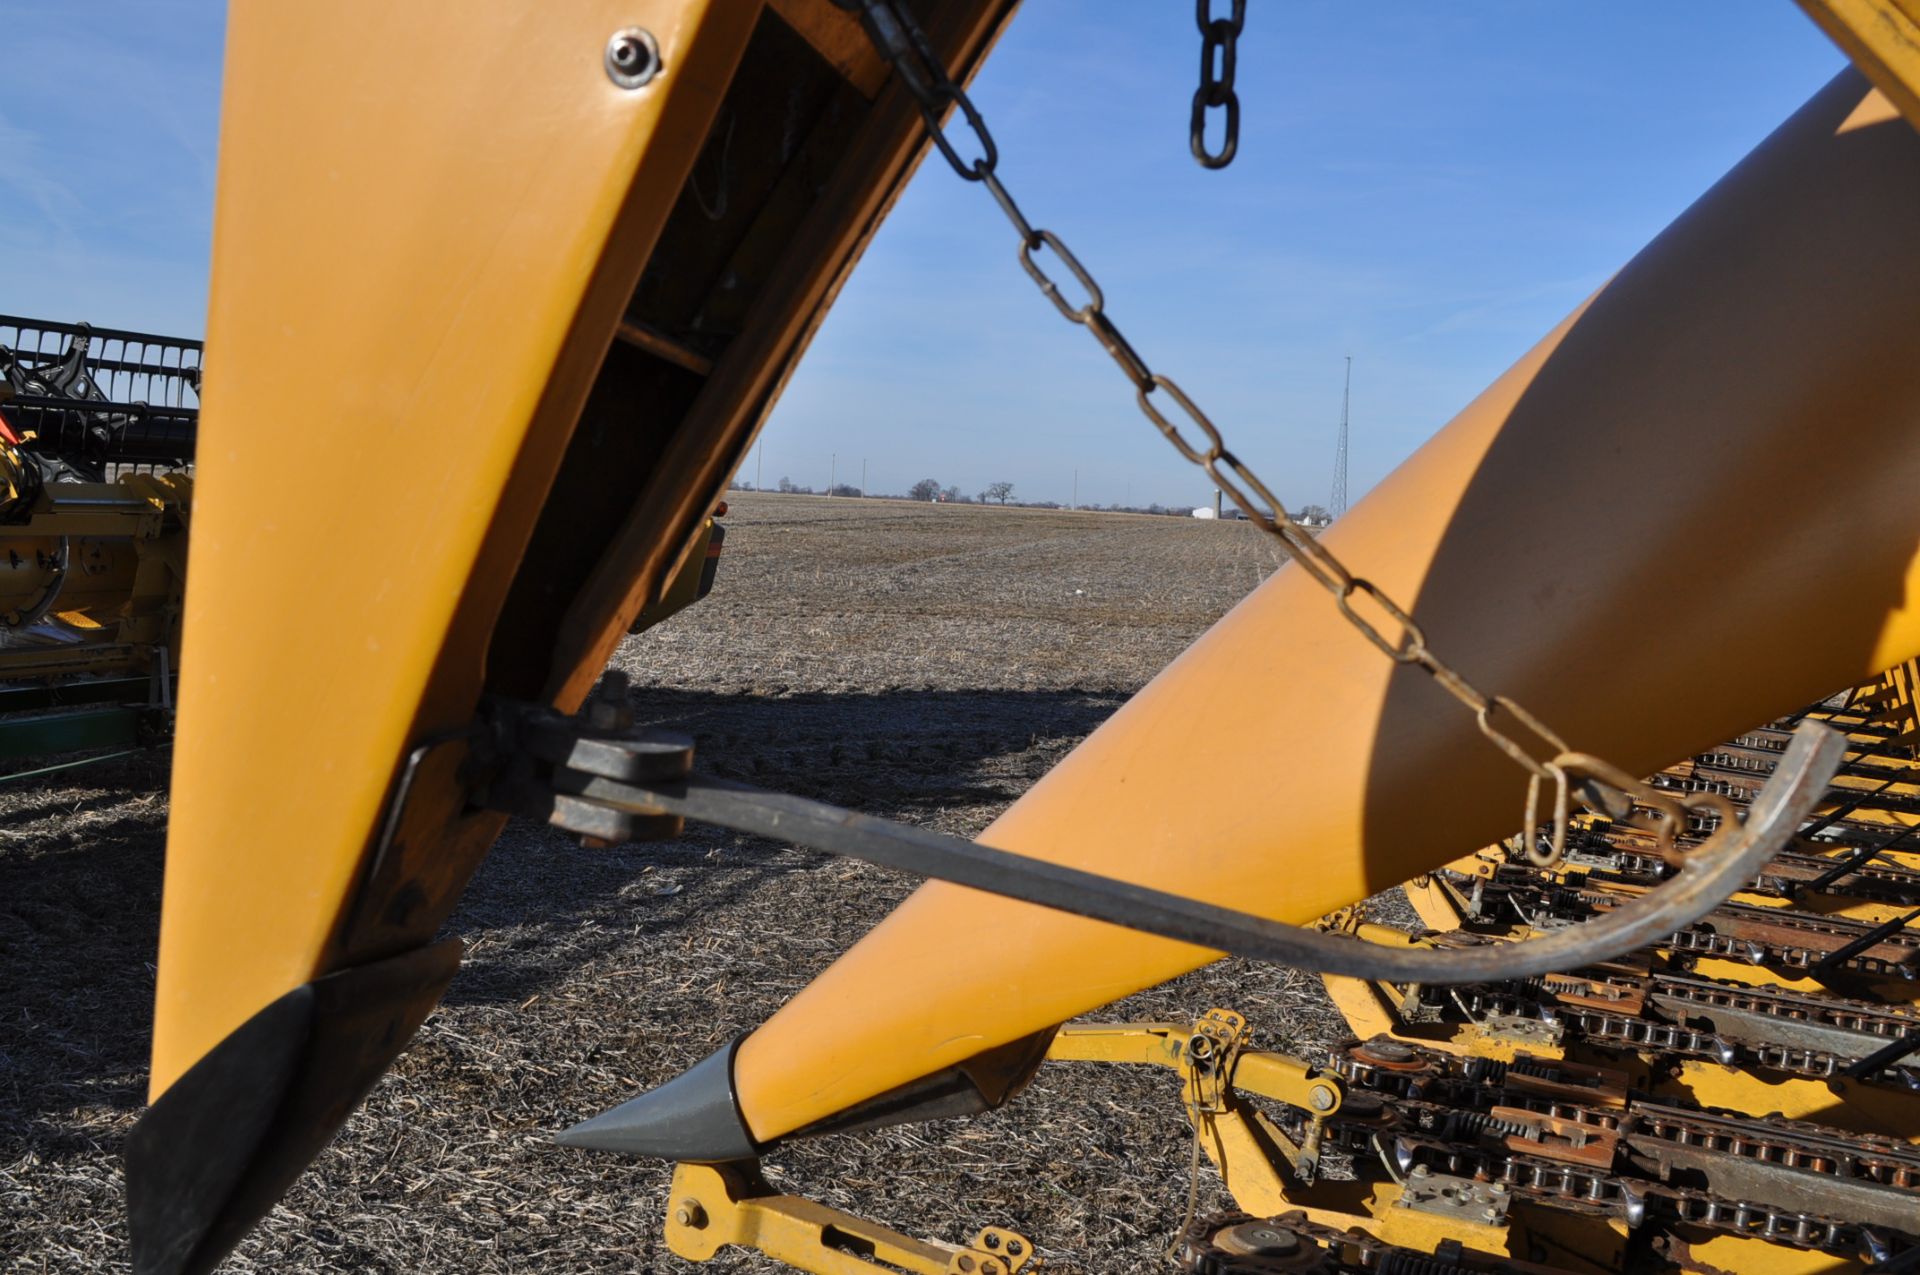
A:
[(927, 489)]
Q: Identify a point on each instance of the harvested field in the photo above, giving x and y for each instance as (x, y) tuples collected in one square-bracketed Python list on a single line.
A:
[(925, 663)]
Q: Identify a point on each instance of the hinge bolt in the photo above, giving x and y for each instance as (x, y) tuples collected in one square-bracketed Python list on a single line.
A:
[(633, 57)]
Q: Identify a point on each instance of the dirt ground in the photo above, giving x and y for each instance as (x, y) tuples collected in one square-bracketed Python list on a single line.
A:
[(925, 663)]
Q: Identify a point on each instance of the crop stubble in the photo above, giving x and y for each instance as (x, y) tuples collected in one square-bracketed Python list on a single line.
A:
[(925, 663)]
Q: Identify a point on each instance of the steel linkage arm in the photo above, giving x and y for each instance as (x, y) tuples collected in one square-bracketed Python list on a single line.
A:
[(615, 786), (713, 1206)]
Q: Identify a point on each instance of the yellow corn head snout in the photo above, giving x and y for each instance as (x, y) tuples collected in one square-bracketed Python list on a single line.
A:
[(1687, 413)]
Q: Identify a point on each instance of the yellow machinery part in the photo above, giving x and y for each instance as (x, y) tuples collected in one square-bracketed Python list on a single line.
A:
[(1883, 39), (428, 221), (1738, 367), (714, 1206), (1369, 1011), (101, 563), (1736, 1253)]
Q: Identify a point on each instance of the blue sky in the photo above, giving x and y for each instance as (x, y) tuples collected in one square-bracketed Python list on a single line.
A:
[(1427, 187)]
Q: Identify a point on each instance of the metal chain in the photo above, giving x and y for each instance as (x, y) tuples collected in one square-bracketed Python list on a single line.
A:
[(1219, 46), (900, 40)]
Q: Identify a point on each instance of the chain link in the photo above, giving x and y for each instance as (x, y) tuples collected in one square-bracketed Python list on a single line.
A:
[(1219, 46), (900, 40)]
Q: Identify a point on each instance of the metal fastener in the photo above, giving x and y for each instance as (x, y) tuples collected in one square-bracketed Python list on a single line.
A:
[(633, 57)]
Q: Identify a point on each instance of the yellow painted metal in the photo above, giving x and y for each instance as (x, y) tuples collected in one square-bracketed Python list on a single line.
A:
[(1838, 1104), (714, 1206), (428, 220), (1257, 1072), (1425, 1232), (683, 588), (1883, 39), (1365, 1005), (118, 601), (1244, 1144), (1738, 1254), (1250, 1151), (1436, 902), (1757, 349)]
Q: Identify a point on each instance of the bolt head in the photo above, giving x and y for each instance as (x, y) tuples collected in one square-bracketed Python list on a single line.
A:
[(1320, 1098), (633, 57)]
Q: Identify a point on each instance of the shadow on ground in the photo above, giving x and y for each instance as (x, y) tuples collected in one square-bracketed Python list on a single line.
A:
[(80, 871)]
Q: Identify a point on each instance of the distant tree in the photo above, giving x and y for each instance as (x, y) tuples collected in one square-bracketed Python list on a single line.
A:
[(952, 496), (1314, 515), (1001, 492), (844, 489), (740, 485), (925, 489), (786, 484)]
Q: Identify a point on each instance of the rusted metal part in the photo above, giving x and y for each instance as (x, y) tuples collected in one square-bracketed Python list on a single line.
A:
[(1821, 1037), (656, 342), (1553, 1138), (1784, 1181), (1293, 1244), (1779, 938)]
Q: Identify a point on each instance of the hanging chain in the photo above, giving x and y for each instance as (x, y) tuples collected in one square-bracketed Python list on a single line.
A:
[(1550, 767), (1219, 49)]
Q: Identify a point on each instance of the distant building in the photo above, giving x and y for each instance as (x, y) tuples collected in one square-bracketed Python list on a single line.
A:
[(1205, 511)]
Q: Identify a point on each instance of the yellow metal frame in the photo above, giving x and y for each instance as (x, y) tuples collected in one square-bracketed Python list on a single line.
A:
[(712, 1207), (1260, 1165)]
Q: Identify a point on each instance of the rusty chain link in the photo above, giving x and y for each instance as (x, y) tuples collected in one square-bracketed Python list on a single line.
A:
[(900, 40), (1219, 46)]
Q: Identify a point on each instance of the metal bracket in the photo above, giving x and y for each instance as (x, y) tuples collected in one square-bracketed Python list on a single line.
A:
[(1212, 1051), (1461, 1199)]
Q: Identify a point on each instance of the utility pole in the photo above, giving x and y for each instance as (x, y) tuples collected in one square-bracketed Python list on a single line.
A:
[(759, 467), (863, 478), (1338, 505), (833, 471), (1076, 490)]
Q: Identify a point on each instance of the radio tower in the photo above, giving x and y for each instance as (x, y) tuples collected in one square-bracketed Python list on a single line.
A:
[(1338, 505)]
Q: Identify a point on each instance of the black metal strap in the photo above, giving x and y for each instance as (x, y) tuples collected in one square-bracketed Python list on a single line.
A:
[(597, 778)]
